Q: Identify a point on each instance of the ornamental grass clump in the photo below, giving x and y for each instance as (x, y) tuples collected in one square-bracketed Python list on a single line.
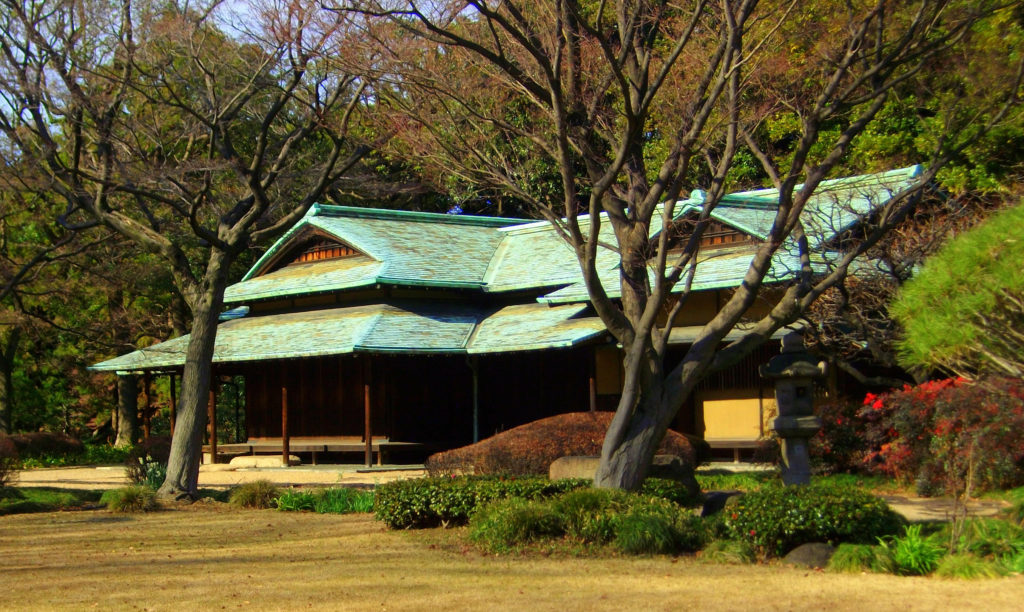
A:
[(858, 558), (733, 552), (913, 553), (777, 519), (343, 500), (136, 498), (255, 494), (296, 501), (966, 566)]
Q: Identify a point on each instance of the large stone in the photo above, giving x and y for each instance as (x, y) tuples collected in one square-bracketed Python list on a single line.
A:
[(814, 555), (262, 461), (573, 467)]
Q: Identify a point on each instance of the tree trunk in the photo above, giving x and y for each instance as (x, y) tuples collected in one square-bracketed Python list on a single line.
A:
[(626, 458), (127, 410), (7, 352), (182, 480)]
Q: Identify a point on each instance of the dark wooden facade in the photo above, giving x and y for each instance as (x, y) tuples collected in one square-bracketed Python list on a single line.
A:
[(424, 399)]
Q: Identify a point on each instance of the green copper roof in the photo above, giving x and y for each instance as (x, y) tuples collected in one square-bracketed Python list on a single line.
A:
[(406, 327), (835, 206), (716, 269), (398, 248), (534, 326)]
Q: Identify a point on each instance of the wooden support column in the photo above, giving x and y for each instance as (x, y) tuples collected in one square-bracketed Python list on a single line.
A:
[(147, 405), (474, 366), (212, 409), (174, 402), (286, 442), (368, 413), (592, 380)]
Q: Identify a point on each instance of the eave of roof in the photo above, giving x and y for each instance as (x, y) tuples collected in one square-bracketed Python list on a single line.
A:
[(400, 327)]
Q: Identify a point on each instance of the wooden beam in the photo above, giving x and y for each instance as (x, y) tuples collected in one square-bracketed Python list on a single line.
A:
[(368, 414), (286, 450), (212, 408)]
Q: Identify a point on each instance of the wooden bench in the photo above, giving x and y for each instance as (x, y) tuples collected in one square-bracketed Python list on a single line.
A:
[(380, 445), (735, 444)]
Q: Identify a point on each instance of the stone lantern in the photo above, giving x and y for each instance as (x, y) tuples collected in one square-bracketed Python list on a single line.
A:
[(794, 372)]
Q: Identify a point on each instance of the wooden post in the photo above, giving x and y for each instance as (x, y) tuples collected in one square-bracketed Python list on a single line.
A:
[(147, 406), (592, 381), (213, 421), (367, 372), (174, 401), (286, 443)]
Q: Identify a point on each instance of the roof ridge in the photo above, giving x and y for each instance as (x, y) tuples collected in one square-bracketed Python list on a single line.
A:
[(323, 210)]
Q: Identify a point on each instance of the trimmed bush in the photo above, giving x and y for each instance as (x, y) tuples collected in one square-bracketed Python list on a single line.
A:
[(429, 502), (778, 519), (46, 446), (509, 524), (130, 499), (255, 494), (530, 449), (671, 490)]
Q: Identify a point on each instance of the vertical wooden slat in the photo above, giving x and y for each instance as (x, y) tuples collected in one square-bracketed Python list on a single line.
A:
[(212, 408), (368, 433), (285, 439)]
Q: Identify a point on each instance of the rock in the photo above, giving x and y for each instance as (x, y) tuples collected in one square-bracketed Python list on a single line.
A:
[(262, 461), (573, 467), (814, 555)]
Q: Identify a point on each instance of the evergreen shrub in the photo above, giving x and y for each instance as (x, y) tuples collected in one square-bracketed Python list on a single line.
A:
[(777, 519), (508, 524), (429, 502)]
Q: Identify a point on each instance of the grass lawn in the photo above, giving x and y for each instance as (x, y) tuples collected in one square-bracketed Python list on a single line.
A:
[(211, 557), (19, 500)]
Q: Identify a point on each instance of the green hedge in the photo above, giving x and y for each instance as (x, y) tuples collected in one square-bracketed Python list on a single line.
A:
[(428, 502), (778, 519)]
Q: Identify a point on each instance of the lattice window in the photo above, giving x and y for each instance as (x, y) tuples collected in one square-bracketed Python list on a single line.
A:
[(716, 235), (320, 249)]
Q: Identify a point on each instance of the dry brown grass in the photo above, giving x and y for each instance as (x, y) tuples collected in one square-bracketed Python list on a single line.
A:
[(214, 557)]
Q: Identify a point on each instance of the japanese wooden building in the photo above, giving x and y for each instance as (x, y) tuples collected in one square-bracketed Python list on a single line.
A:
[(434, 330)]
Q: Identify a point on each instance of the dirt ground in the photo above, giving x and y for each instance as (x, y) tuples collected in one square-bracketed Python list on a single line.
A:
[(209, 557)]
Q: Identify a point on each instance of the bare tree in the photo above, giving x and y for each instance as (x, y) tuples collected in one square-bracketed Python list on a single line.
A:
[(191, 131), (631, 102)]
